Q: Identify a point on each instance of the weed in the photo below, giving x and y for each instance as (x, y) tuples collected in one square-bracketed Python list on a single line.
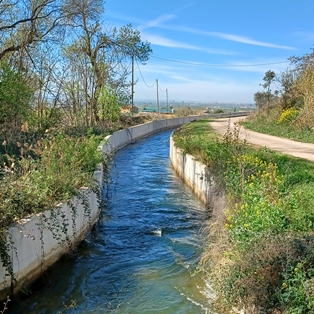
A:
[(283, 124), (288, 115), (260, 249), (5, 305), (66, 307)]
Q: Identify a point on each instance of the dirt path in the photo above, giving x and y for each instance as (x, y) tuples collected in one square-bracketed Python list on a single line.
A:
[(297, 149)]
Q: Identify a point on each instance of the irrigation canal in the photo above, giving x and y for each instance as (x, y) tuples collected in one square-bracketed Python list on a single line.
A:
[(142, 256)]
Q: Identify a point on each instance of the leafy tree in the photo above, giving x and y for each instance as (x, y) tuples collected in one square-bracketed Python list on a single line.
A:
[(288, 98), (100, 57), (269, 78), (260, 99), (66, 56), (30, 34), (15, 96), (108, 102)]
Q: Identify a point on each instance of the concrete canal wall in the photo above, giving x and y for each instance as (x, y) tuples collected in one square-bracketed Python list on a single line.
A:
[(193, 173), (39, 241), (126, 136)]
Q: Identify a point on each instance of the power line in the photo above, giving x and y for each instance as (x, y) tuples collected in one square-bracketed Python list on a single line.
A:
[(164, 91), (220, 65), (143, 77)]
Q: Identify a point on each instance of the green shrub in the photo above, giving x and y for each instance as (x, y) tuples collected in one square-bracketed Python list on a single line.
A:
[(280, 124), (300, 207), (262, 255), (63, 165), (297, 289), (288, 115)]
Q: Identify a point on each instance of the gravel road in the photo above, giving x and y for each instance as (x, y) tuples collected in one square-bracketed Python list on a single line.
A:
[(297, 149)]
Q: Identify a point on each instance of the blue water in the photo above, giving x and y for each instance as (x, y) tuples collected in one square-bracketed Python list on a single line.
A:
[(142, 256)]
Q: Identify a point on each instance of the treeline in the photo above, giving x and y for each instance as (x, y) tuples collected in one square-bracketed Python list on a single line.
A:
[(63, 75), (62, 62), (294, 101)]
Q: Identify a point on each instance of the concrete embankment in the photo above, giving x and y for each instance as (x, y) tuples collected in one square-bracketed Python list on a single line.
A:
[(35, 243), (194, 173), (127, 136)]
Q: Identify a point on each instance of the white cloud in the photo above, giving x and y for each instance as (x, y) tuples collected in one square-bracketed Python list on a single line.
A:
[(225, 36), (262, 66), (159, 22), (166, 68), (156, 22), (122, 17), (247, 40), (166, 42), (181, 78), (187, 84), (306, 36)]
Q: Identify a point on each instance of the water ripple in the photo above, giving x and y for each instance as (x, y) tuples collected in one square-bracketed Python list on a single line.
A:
[(142, 257)]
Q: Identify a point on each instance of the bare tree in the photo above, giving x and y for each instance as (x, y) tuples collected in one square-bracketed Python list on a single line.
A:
[(107, 54), (27, 22)]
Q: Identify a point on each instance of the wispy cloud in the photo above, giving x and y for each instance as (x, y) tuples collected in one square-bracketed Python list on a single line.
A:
[(247, 40), (161, 22), (188, 5), (181, 78), (186, 71), (230, 37), (188, 83), (123, 17), (207, 91), (157, 22), (166, 42)]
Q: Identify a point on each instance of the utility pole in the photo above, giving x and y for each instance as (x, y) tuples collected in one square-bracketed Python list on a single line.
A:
[(132, 87), (167, 99), (157, 97)]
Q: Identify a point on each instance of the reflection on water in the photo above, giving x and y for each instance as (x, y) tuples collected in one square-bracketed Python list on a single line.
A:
[(142, 257)]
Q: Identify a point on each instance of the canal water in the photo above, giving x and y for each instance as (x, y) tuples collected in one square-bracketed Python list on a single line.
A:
[(142, 257)]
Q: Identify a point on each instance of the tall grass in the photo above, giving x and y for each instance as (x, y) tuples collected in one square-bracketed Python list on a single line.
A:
[(44, 174), (275, 124), (38, 170), (260, 250)]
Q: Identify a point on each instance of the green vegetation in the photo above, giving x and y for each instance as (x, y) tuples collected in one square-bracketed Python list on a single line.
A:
[(280, 124), (63, 77), (260, 249), (39, 170), (59, 97), (289, 111), (260, 246), (62, 82)]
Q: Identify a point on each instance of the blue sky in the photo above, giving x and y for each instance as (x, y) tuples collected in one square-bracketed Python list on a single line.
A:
[(213, 50)]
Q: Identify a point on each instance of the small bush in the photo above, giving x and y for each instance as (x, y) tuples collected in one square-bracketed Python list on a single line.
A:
[(287, 128), (288, 115), (297, 288), (62, 165), (261, 259)]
